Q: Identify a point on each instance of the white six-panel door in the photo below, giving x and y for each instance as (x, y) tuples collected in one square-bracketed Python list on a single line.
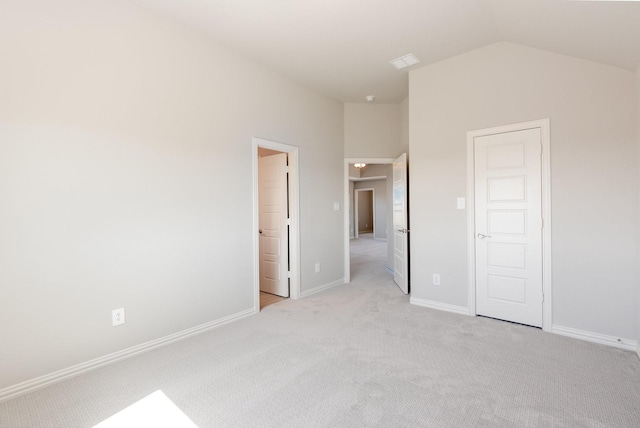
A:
[(274, 243), (508, 226)]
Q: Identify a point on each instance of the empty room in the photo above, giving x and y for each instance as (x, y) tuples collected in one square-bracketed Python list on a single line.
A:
[(180, 242)]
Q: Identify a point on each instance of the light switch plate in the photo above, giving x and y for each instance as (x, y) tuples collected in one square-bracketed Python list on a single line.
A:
[(461, 203)]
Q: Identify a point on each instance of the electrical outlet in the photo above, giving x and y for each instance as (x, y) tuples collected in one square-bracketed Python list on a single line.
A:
[(117, 316), (436, 279), (317, 267)]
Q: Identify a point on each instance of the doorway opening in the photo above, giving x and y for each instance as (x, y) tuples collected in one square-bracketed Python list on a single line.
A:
[(364, 212), (275, 223), (376, 236)]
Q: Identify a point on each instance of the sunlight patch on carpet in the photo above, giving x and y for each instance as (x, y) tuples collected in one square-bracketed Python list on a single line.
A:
[(154, 410)]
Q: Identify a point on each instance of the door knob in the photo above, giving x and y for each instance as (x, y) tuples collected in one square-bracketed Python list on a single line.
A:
[(260, 230), (481, 236)]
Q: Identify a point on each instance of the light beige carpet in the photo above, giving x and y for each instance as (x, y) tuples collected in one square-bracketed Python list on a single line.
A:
[(357, 355)]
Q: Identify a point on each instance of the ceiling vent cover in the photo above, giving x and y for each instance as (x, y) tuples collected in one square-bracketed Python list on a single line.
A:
[(404, 61)]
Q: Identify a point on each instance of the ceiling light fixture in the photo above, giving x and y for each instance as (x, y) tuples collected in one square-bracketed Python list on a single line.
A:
[(359, 165), (370, 98), (404, 61)]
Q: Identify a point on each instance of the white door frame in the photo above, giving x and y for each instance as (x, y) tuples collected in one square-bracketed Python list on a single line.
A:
[(345, 204), (355, 209), (544, 125), (294, 218)]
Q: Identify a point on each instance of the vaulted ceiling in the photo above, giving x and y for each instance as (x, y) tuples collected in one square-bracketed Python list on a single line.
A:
[(342, 47)]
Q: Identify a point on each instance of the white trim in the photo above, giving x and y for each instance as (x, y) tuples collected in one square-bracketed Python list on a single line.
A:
[(460, 310), (356, 214), (638, 349), (78, 369), (322, 287), (294, 217), (545, 136), (603, 339), (347, 203), (381, 177)]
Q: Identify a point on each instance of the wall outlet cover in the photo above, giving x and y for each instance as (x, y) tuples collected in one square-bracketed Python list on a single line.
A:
[(117, 316)]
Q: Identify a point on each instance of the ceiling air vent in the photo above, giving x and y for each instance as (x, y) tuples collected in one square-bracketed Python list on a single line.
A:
[(404, 61)]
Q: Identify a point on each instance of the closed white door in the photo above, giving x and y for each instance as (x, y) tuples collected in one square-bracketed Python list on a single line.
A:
[(274, 239), (400, 224), (508, 226)]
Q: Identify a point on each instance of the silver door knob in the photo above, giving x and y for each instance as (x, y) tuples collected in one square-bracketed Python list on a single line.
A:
[(481, 236), (403, 230)]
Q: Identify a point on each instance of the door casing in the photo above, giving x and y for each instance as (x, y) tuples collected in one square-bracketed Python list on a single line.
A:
[(545, 135), (294, 218)]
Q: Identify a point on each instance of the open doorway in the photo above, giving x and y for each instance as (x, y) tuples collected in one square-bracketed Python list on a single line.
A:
[(370, 207), (364, 212), (387, 177), (276, 223)]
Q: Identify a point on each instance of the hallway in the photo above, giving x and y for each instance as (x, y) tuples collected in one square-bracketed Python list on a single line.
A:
[(368, 258)]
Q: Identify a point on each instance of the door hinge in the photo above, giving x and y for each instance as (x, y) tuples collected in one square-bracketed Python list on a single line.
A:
[(288, 274), (288, 222), (286, 169)]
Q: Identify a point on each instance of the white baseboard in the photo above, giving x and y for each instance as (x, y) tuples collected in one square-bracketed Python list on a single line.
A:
[(439, 306), (322, 288), (638, 349), (603, 339), (60, 375)]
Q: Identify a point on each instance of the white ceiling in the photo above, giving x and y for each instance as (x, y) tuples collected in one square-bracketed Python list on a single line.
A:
[(342, 47)]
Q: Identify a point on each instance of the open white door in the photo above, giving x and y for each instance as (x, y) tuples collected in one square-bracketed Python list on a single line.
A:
[(400, 224), (274, 241)]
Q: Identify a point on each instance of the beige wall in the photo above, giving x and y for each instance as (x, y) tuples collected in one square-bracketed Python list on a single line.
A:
[(638, 207), (125, 163), (404, 126), (592, 108), (372, 130)]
